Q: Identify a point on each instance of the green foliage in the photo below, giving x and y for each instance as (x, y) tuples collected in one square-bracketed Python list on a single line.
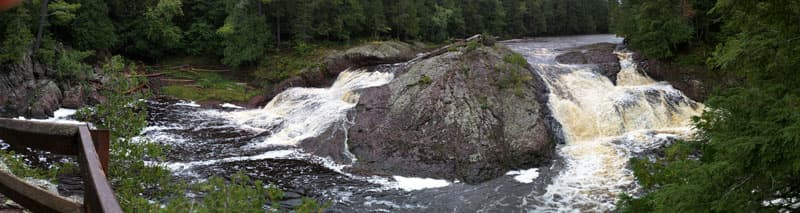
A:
[(662, 28), (309, 205), (209, 86), (137, 183), (655, 28), (280, 67), (17, 37), (238, 195), (750, 134), (62, 11), (216, 92), (125, 116), (515, 74), (70, 65), (148, 29), (20, 168), (246, 33), (425, 80), (484, 102), (472, 45), (92, 29), (516, 59), (200, 23)]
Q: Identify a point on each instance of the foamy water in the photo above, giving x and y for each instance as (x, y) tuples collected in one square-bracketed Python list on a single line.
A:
[(301, 113), (603, 124)]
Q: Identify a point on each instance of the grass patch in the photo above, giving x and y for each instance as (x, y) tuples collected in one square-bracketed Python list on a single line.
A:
[(224, 93), (516, 59), (425, 80), (484, 102), (277, 68), (516, 74), (208, 86), (473, 45)]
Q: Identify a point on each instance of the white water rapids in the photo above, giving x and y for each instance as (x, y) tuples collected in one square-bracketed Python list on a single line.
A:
[(301, 113), (603, 123)]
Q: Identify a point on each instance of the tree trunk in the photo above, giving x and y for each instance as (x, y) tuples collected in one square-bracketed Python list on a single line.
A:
[(278, 20), (42, 22), (260, 8)]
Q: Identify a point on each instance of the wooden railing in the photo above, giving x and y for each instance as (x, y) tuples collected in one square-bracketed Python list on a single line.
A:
[(91, 147)]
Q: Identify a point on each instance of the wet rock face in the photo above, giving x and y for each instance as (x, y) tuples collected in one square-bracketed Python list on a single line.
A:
[(601, 55), (692, 80), (25, 92), (28, 88), (454, 116)]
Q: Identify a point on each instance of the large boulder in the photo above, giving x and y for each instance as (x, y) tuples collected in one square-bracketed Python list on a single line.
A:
[(602, 55), (472, 115), (47, 99)]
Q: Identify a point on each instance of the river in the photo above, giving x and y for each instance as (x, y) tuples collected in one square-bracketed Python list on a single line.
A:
[(603, 125)]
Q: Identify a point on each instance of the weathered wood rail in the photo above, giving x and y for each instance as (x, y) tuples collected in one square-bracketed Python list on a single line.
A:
[(91, 147)]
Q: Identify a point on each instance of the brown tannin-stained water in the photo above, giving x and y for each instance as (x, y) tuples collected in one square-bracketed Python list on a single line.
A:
[(602, 124)]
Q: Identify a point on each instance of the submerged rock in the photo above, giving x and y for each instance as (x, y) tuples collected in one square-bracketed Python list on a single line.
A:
[(470, 114)]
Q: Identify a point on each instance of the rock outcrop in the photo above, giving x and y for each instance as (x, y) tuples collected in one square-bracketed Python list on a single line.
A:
[(601, 55), (375, 53), (695, 81), (471, 114), (28, 89)]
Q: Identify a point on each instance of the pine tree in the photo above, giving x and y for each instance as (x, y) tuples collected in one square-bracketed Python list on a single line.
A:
[(18, 37), (246, 33), (747, 158), (92, 29), (535, 18)]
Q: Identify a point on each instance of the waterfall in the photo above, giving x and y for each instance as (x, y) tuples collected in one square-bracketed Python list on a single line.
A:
[(300, 113), (602, 124)]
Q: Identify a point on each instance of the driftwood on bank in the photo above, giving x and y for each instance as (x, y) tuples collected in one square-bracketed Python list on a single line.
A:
[(457, 43)]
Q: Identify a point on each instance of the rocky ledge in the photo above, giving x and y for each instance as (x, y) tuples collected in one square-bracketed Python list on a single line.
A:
[(693, 80), (602, 55)]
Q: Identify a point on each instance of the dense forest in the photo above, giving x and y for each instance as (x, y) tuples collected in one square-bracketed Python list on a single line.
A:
[(746, 158), (245, 31)]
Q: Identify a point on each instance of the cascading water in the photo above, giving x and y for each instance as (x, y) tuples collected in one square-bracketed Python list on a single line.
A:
[(301, 113), (602, 124)]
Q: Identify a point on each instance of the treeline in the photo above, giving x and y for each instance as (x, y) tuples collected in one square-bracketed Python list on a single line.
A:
[(662, 28), (747, 157), (245, 31)]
